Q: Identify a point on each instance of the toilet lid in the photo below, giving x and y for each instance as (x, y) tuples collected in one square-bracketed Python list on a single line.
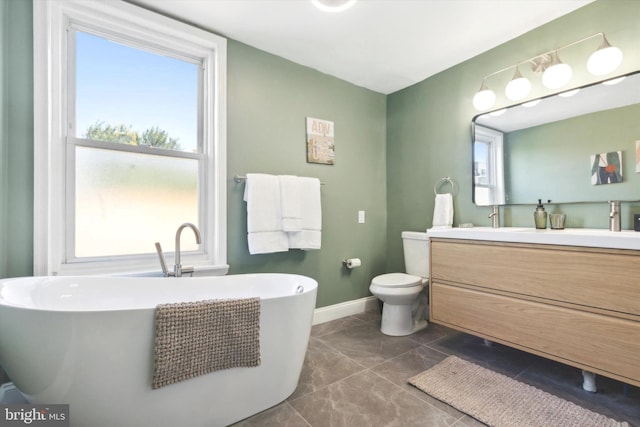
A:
[(397, 280)]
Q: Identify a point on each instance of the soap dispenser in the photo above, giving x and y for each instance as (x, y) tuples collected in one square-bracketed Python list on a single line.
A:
[(540, 216)]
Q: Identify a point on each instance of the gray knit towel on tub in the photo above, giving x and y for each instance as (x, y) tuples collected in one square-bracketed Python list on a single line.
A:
[(195, 338)]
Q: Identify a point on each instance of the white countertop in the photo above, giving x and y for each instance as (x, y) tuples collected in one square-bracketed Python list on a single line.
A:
[(597, 238)]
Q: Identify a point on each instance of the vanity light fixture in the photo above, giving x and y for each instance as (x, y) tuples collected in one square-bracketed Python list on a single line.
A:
[(485, 98), (555, 73), (613, 81), (532, 103), (604, 60), (519, 87), (568, 93), (333, 5)]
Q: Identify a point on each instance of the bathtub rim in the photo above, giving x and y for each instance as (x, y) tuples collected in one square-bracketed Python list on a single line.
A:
[(309, 284)]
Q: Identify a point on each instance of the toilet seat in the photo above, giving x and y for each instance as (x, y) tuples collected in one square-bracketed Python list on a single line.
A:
[(397, 280)]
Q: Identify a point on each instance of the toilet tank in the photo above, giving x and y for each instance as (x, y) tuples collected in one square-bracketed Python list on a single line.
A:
[(416, 253)]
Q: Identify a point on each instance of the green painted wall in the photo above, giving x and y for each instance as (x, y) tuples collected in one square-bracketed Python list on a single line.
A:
[(428, 124), (16, 144), (4, 16), (269, 99)]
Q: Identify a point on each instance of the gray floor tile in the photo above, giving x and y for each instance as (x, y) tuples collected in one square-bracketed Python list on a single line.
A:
[(366, 345), (323, 366), (282, 415), (366, 399), (354, 375)]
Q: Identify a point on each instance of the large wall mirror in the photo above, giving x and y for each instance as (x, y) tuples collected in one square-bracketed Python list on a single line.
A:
[(553, 149)]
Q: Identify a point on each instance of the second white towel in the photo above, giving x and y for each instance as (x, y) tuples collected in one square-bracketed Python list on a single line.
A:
[(443, 211), (290, 197)]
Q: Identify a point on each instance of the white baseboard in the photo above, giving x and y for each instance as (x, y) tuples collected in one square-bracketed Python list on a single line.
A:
[(344, 309)]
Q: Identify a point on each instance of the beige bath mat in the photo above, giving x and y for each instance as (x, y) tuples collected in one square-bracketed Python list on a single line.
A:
[(500, 401)]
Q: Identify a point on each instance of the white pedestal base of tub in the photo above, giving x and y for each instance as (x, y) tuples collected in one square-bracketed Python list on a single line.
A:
[(89, 342)]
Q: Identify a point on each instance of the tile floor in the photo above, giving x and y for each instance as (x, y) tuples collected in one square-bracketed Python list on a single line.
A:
[(356, 376)]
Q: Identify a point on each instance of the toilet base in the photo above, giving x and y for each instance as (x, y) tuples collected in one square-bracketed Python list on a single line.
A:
[(397, 320)]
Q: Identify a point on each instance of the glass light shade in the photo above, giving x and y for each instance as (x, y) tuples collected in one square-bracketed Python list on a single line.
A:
[(484, 99), (532, 103), (614, 81), (569, 93), (518, 88), (604, 60), (557, 75), (333, 5)]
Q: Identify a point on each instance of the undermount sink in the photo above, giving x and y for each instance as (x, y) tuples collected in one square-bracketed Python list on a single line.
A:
[(588, 237)]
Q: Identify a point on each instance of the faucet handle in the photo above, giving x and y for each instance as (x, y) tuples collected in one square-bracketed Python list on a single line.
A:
[(163, 263)]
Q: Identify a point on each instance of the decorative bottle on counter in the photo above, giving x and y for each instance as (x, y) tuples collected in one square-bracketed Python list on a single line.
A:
[(540, 216)]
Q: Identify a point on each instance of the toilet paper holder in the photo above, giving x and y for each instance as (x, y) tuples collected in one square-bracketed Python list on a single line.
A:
[(351, 262)]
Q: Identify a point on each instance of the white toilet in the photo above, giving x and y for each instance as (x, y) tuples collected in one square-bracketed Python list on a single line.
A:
[(404, 294)]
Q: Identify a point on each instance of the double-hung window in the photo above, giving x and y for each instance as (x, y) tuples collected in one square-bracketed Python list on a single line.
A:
[(129, 139)]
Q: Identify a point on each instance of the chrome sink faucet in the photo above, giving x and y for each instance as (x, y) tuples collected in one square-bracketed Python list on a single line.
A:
[(495, 216), (614, 215), (178, 269)]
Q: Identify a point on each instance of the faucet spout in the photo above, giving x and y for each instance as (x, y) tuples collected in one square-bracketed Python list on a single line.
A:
[(495, 216), (614, 215), (177, 268)]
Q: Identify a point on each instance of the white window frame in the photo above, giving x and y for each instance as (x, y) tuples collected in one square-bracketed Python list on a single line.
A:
[(51, 19), (495, 162)]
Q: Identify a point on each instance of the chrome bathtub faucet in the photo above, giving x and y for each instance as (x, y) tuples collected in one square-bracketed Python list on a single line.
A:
[(178, 269)]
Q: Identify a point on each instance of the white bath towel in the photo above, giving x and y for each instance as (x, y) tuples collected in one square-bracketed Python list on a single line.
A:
[(310, 236), (291, 202), (264, 215), (443, 211)]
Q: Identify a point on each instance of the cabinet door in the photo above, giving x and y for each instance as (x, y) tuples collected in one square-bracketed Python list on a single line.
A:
[(596, 342), (603, 279)]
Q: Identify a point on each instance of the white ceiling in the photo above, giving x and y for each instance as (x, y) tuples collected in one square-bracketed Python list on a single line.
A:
[(382, 45)]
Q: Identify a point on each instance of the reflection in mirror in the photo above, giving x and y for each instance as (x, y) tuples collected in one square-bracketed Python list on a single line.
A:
[(544, 151)]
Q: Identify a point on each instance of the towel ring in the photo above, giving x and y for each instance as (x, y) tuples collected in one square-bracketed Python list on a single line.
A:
[(444, 181)]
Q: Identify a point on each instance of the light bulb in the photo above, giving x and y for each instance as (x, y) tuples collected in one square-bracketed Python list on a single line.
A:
[(518, 88), (604, 60), (484, 99), (333, 5), (531, 103), (557, 75), (614, 81), (569, 93)]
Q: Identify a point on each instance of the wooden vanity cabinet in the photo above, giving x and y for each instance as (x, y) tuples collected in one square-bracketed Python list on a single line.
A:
[(576, 305)]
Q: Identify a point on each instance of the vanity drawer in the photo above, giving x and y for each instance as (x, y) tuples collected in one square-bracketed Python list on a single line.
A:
[(600, 343), (603, 279)]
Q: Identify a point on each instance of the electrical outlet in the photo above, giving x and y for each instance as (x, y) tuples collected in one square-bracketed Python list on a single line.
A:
[(360, 217)]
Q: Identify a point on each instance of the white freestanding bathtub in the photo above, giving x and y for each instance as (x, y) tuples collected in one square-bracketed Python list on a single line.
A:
[(89, 342)]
